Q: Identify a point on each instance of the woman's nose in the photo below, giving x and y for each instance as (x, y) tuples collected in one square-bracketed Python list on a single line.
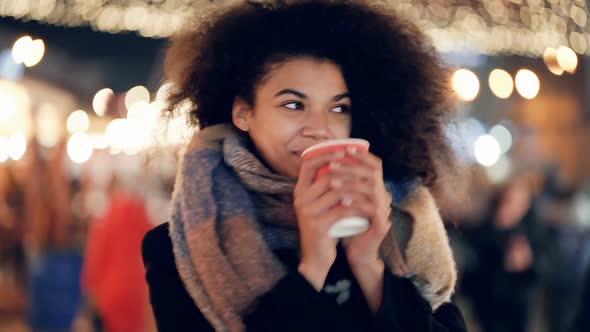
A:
[(317, 126)]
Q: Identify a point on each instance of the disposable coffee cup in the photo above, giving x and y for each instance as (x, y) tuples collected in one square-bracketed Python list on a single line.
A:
[(353, 225)]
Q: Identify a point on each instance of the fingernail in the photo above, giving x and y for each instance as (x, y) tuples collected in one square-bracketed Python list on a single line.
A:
[(352, 150), (335, 165), (347, 201), (335, 183)]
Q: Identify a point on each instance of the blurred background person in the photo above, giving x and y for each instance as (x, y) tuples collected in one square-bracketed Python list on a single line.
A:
[(113, 274), (502, 279), (54, 261), (13, 269), (565, 212)]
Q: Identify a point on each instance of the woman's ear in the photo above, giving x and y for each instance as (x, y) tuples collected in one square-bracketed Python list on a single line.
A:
[(241, 112)]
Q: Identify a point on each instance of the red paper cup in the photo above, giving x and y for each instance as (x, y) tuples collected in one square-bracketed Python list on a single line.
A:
[(351, 225)]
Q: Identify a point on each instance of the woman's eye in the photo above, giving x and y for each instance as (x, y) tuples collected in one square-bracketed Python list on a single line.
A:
[(294, 105), (341, 109)]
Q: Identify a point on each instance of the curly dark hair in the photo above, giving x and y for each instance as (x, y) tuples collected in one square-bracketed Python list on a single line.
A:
[(398, 85)]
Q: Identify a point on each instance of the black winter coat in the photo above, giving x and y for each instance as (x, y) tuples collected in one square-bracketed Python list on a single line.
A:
[(293, 304)]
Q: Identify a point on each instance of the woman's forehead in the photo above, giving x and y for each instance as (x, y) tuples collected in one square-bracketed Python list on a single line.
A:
[(305, 75)]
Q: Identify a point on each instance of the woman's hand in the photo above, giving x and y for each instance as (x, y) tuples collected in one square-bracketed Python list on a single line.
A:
[(314, 204), (373, 199), (365, 180)]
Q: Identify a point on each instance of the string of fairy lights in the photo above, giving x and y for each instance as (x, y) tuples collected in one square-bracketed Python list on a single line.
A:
[(523, 27)]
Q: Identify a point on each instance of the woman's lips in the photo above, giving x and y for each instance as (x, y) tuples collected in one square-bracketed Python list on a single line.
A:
[(299, 152)]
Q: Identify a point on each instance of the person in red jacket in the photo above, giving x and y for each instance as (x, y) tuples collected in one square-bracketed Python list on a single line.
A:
[(113, 272)]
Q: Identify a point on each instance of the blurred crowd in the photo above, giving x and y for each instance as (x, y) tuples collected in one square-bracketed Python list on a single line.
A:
[(70, 239), (523, 253)]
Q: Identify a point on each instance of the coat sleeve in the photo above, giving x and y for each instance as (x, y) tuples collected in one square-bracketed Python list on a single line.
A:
[(404, 309), (173, 308), (292, 305)]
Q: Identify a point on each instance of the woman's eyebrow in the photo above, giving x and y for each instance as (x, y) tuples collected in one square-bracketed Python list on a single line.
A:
[(293, 92), (341, 96), (304, 96)]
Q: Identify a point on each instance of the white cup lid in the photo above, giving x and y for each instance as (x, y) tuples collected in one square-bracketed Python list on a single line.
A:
[(349, 226)]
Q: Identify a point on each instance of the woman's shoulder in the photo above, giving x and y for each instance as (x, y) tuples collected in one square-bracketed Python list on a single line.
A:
[(156, 246)]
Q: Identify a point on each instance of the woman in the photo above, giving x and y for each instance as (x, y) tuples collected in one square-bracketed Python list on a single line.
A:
[(247, 246)]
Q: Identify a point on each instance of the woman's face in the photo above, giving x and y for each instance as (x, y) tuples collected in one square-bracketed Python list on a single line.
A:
[(299, 103)]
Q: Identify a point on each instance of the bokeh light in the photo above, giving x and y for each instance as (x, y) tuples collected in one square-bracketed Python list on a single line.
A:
[(28, 51), (527, 83), (15, 109), (501, 83), (49, 125), (101, 100), (8, 107), (550, 59), (17, 146), (487, 150), (20, 49), (466, 84), (136, 94), (503, 136), (567, 59), (36, 52), (79, 148), (78, 121)]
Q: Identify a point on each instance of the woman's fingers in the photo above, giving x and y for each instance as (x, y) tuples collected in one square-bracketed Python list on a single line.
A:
[(339, 199), (353, 185), (368, 159), (356, 171), (313, 192), (309, 167)]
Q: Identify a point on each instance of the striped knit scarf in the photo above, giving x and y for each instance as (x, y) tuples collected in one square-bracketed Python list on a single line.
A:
[(229, 212)]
